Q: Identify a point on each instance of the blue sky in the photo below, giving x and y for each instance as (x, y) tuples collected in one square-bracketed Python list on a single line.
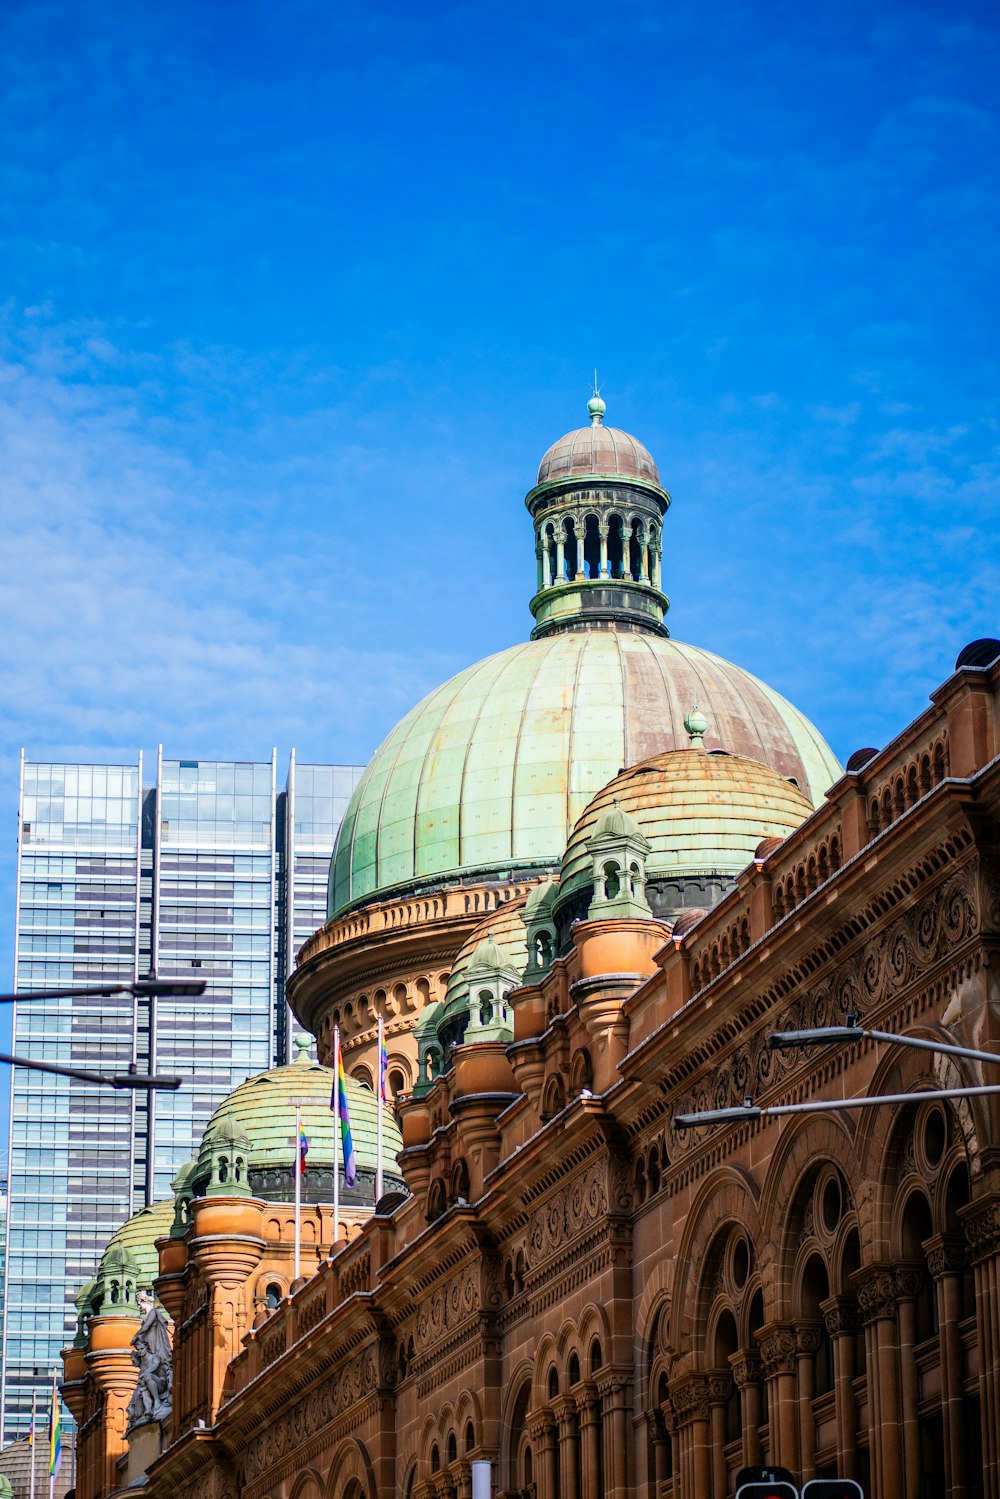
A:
[(295, 296)]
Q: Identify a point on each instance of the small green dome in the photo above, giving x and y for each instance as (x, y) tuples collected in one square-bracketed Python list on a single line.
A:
[(263, 1111), (615, 822), (503, 931), (488, 775), (138, 1236), (700, 813)]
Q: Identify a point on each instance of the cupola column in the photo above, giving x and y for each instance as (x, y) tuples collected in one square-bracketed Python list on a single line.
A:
[(560, 552), (640, 536), (541, 553), (602, 531)]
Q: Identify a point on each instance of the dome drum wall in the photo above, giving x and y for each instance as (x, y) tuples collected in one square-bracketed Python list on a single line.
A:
[(277, 1184), (599, 550)]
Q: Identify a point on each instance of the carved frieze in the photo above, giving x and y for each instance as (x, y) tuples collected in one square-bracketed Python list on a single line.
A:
[(348, 1385), (568, 1212), (446, 1308), (869, 978)]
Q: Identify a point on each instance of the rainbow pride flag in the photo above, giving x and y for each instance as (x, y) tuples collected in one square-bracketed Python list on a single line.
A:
[(303, 1150), (338, 1104), (383, 1067), (55, 1432)]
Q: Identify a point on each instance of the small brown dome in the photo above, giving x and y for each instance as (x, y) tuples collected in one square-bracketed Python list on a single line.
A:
[(597, 450)]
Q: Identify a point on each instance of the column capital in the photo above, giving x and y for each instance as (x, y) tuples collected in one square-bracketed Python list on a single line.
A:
[(720, 1386), (946, 1254), (808, 1336), (689, 1398), (981, 1221), (541, 1426), (586, 1397), (564, 1410), (840, 1314), (746, 1369), (877, 1291), (777, 1348)]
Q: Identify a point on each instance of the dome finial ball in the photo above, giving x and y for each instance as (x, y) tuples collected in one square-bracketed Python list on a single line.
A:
[(697, 726)]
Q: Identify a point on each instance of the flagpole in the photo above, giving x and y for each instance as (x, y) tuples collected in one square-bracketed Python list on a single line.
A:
[(336, 1135), (381, 1106), (298, 1192), (31, 1487)]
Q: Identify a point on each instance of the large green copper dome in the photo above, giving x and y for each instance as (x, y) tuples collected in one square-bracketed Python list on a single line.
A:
[(490, 772)]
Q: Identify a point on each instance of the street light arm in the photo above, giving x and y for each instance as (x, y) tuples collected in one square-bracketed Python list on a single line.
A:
[(824, 1035), (98, 1079), (141, 989), (823, 1106)]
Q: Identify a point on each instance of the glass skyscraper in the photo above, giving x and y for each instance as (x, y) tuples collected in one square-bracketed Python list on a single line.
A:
[(210, 872)]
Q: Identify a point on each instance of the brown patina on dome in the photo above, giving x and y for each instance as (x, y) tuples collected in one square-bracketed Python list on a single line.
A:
[(597, 450)]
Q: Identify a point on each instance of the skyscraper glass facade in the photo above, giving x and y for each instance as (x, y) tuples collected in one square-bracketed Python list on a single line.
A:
[(189, 877), (71, 1145)]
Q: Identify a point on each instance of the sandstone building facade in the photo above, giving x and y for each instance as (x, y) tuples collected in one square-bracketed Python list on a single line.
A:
[(582, 885)]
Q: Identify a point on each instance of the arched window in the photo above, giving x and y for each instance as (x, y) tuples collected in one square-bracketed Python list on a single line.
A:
[(591, 547), (572, 552), (596, 1356), (616, 550), (553, 1382), (452, 1447), (635, 551), (273, 1296), (612, 880), (573, 1370)]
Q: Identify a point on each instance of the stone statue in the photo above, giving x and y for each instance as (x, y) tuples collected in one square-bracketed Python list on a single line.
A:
[(151, 1354)]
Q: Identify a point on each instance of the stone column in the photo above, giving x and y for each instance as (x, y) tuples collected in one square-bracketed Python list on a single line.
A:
[(777, 1346), (589, 1415), (602, 530), (909, 1279), (657, 566), (720, 1389), (807, 1341), (946, 1259), (748, 1372), (614, 1405), (640, 537), (842, 1320), (877, 1300), (542, 1430), (981, 1220), (690, 1399), (564, 1410), (659, 1440), (540, 554), (580, 532), (560, 553)]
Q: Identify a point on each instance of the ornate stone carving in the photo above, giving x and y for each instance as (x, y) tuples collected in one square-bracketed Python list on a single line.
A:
[(778, 1352), (446, 1308), (877, 1295), (947, 1257), (152, 1356), (720, 1387), (357, 1379), (807, 1339), (746, 1371), (577, 1205), (843, 1317), (982, 1229), (690, 1400), (879, 970)]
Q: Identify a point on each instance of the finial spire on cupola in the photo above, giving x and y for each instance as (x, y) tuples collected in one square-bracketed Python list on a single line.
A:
[(595, 406)]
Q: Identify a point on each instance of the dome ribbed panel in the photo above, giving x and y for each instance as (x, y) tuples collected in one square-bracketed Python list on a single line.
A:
[(597, 450), (699, 812), (493, 769), (261, 1106)]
